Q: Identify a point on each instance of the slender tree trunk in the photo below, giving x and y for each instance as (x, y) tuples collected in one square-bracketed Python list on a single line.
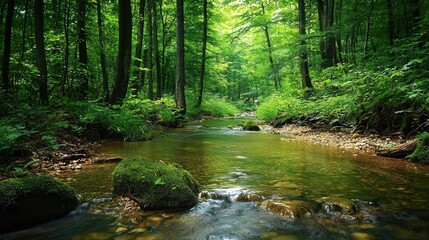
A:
[(102, 53), (367, 32), (270, 52), (157, 55), (124, 53), (40, 49), (24, 30), (339, 36), (83, 50), (305, 72), (136, 83), (150, 50), (67, 48), (180, 54), (203, 54), (390, 22), (7, 45)]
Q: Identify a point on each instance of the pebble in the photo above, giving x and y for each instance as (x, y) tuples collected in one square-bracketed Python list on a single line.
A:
[(120, 230)]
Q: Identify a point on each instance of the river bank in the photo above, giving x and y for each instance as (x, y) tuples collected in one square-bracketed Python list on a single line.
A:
[(345, 139)]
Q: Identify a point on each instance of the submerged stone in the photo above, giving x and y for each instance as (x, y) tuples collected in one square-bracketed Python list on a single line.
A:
[(155, 185), (339, 205), (290, 209), (32, 200)]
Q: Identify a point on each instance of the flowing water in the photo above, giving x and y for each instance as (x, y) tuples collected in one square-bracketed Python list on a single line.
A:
[(255, 186)]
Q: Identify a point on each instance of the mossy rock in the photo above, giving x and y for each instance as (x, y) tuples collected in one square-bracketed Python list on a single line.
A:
[(250, 126), (421, 154), (156, 185), (32, 200)]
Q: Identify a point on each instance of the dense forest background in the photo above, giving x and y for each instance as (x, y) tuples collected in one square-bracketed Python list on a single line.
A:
[(121, 68)]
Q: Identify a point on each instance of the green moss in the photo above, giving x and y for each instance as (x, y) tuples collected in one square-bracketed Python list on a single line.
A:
[(250, 125), (421, 154), (156, 185), (18, 188)]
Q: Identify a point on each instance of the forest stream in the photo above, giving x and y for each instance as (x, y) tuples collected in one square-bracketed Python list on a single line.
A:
[(251, 183)]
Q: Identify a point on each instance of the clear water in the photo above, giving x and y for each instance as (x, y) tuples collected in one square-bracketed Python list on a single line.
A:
[(392, 196)]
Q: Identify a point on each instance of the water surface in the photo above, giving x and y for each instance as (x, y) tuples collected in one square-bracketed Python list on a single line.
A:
[(391, 196)]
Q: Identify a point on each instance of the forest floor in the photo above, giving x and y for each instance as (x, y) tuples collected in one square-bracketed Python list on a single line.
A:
[(346, 139)]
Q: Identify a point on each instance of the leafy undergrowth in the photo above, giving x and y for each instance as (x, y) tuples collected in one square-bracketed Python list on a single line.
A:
[(214, 106), (28, 128), (382, 101)]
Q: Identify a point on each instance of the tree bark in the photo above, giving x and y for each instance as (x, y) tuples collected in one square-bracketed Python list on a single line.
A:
[(327, 43), (40, 49), (157, 55), (102, 53), (150, 51), (83, 50), (180, 55), (305, 72), (203, 54), (7, 45), (124, 53), (136, 87)]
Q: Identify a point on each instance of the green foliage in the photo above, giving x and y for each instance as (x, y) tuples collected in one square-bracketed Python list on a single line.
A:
[(156, 185), (421, 154), (213, 105)]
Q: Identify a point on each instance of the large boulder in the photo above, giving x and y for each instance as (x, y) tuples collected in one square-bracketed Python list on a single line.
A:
[(32, 200), (155, 185)]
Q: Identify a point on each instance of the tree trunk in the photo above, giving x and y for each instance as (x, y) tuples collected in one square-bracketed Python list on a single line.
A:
[(124, 53), (270, 53), (102, 53), (367, 32), (40, 49), (203, 55), (24, 30), (180, 54), (83, 50), (327, 43), (157, 56), (136, 87), (150, 51), (7, 45), (305, 72), (67, 48)]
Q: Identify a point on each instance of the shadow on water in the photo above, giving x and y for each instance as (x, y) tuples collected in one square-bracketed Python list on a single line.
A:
[(255, 186)]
